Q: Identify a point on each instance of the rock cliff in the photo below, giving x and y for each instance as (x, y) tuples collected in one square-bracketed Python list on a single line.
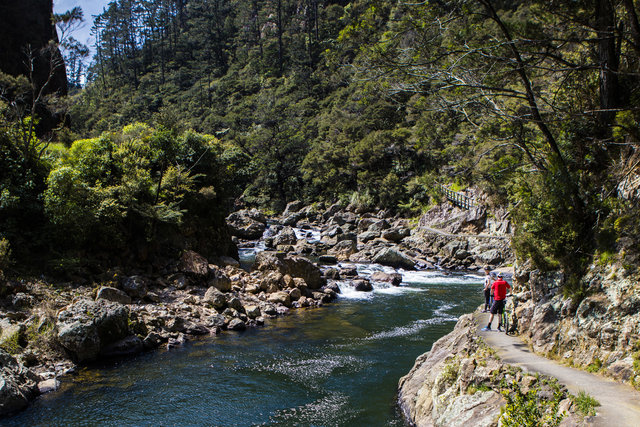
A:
[(599, 333), (462, 382)]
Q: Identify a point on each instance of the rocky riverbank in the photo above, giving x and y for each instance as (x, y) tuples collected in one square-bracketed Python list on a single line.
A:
[(48, 328), (461, 381), (444, 237)]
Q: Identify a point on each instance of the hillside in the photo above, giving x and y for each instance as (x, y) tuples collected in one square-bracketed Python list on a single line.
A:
[(193, 109)]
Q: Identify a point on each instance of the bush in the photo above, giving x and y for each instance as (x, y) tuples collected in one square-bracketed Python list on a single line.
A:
[(120, 190), (5, 255), (585, 404), (528, 409)]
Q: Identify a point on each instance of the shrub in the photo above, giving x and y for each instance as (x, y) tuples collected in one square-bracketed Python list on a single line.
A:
[(528, 409), (585, 404), (5, 255)]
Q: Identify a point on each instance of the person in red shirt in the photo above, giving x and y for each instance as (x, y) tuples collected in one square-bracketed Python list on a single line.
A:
[(499, 289)]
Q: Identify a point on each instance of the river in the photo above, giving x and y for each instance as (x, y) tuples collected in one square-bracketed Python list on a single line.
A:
[(337, 365)]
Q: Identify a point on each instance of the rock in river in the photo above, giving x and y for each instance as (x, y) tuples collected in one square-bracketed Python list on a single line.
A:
[(18, 385), (394, 258), (86, 327), (394, 278)]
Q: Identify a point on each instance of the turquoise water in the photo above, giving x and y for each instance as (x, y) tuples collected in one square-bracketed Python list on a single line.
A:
[(338, 365)]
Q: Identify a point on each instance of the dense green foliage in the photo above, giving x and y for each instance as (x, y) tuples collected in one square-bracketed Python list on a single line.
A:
[(108, 191), (366, 101), (126, 194)]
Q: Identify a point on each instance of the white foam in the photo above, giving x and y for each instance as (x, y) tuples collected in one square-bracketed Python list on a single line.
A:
[(436, 277), (347, 291), (311, 235), (411, 329)]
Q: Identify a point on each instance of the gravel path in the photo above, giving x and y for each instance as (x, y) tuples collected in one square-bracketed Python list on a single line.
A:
[(620, 403)]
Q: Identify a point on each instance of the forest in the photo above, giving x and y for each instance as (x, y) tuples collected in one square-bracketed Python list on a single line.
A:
[(191, 108)]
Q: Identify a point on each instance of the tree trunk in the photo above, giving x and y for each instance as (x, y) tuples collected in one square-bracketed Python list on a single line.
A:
[(633, 24), (608, 61)]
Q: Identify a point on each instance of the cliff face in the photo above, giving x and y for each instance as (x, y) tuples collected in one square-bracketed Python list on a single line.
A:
[(434, 391), (462, 382), (27, 24), (600, 333)]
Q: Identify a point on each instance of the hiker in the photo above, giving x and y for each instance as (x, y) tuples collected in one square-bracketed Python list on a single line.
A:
[(499, 289), (487, 289)]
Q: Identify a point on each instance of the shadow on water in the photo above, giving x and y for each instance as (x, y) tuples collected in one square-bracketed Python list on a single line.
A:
[(334, 366)]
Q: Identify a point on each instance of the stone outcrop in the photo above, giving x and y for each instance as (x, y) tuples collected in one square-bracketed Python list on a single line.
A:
[(28, 23), (294, 266), (86, 327), (460, 382), (599, 332), (247, 224), (18, 384)]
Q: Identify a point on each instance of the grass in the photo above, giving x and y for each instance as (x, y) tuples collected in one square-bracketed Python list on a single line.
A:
[(595, 366), (474, 388), (585, 404), (12, 343), (450, 372)]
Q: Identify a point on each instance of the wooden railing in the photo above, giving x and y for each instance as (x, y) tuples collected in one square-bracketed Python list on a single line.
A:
[(459, 199)]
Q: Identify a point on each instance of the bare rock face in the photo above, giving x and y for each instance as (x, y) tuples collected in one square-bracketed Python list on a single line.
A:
[(18, 384), (432, 394), (461, 382), (598, 332)]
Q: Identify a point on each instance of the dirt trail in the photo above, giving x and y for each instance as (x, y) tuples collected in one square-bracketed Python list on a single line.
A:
[(620, 403)]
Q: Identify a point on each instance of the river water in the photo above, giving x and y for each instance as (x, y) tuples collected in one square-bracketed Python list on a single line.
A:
[(337, 365)]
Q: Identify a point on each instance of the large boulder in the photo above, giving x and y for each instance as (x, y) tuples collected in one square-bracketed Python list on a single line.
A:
[(18, 384), (215, 298), (362, 285), (112, 294), (490, 257), (86, 327), (368, 236), (280, 297), (393, 278), (194, 264), (293, 219), (395, 234), (379, 226), (394, 258), (286, 237), (292, 207), (295, 266), (344, 249), (219, 279), (247, 224), (135, 287)]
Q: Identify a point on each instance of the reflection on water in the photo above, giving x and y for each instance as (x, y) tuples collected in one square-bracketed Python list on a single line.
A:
[(334, 366)]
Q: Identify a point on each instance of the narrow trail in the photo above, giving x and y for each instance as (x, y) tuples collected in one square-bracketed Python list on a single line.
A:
[(620, 403), (463, 235)]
